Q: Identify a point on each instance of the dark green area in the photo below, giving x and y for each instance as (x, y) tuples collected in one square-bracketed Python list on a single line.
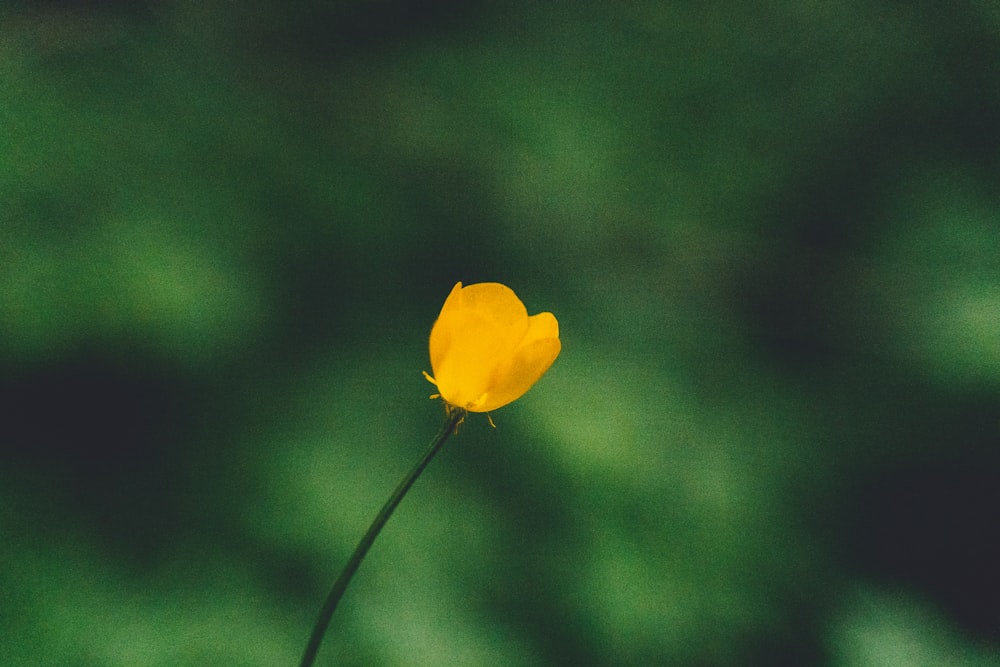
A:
[(771, 235)]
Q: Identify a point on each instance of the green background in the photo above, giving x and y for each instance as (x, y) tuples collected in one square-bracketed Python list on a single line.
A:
[(770, 233)]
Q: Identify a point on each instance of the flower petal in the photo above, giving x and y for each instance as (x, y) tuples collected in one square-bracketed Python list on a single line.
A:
[(527, 365), (495, 302)]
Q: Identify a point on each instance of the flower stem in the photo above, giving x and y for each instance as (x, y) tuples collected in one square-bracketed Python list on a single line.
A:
[(451, 423)]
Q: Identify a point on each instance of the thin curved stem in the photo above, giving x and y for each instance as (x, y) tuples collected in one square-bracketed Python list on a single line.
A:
[(451, 423)]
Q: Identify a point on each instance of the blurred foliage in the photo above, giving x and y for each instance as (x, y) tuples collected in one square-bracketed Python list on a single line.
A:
[(770, 233)]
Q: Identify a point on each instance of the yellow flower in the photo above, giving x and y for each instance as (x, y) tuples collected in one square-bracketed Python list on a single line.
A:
[(485, 349)]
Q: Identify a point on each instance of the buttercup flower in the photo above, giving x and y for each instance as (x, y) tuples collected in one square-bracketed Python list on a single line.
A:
[(485, 352), (485, 349)]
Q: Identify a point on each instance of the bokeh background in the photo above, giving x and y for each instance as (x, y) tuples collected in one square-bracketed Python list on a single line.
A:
[(771, 235)]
